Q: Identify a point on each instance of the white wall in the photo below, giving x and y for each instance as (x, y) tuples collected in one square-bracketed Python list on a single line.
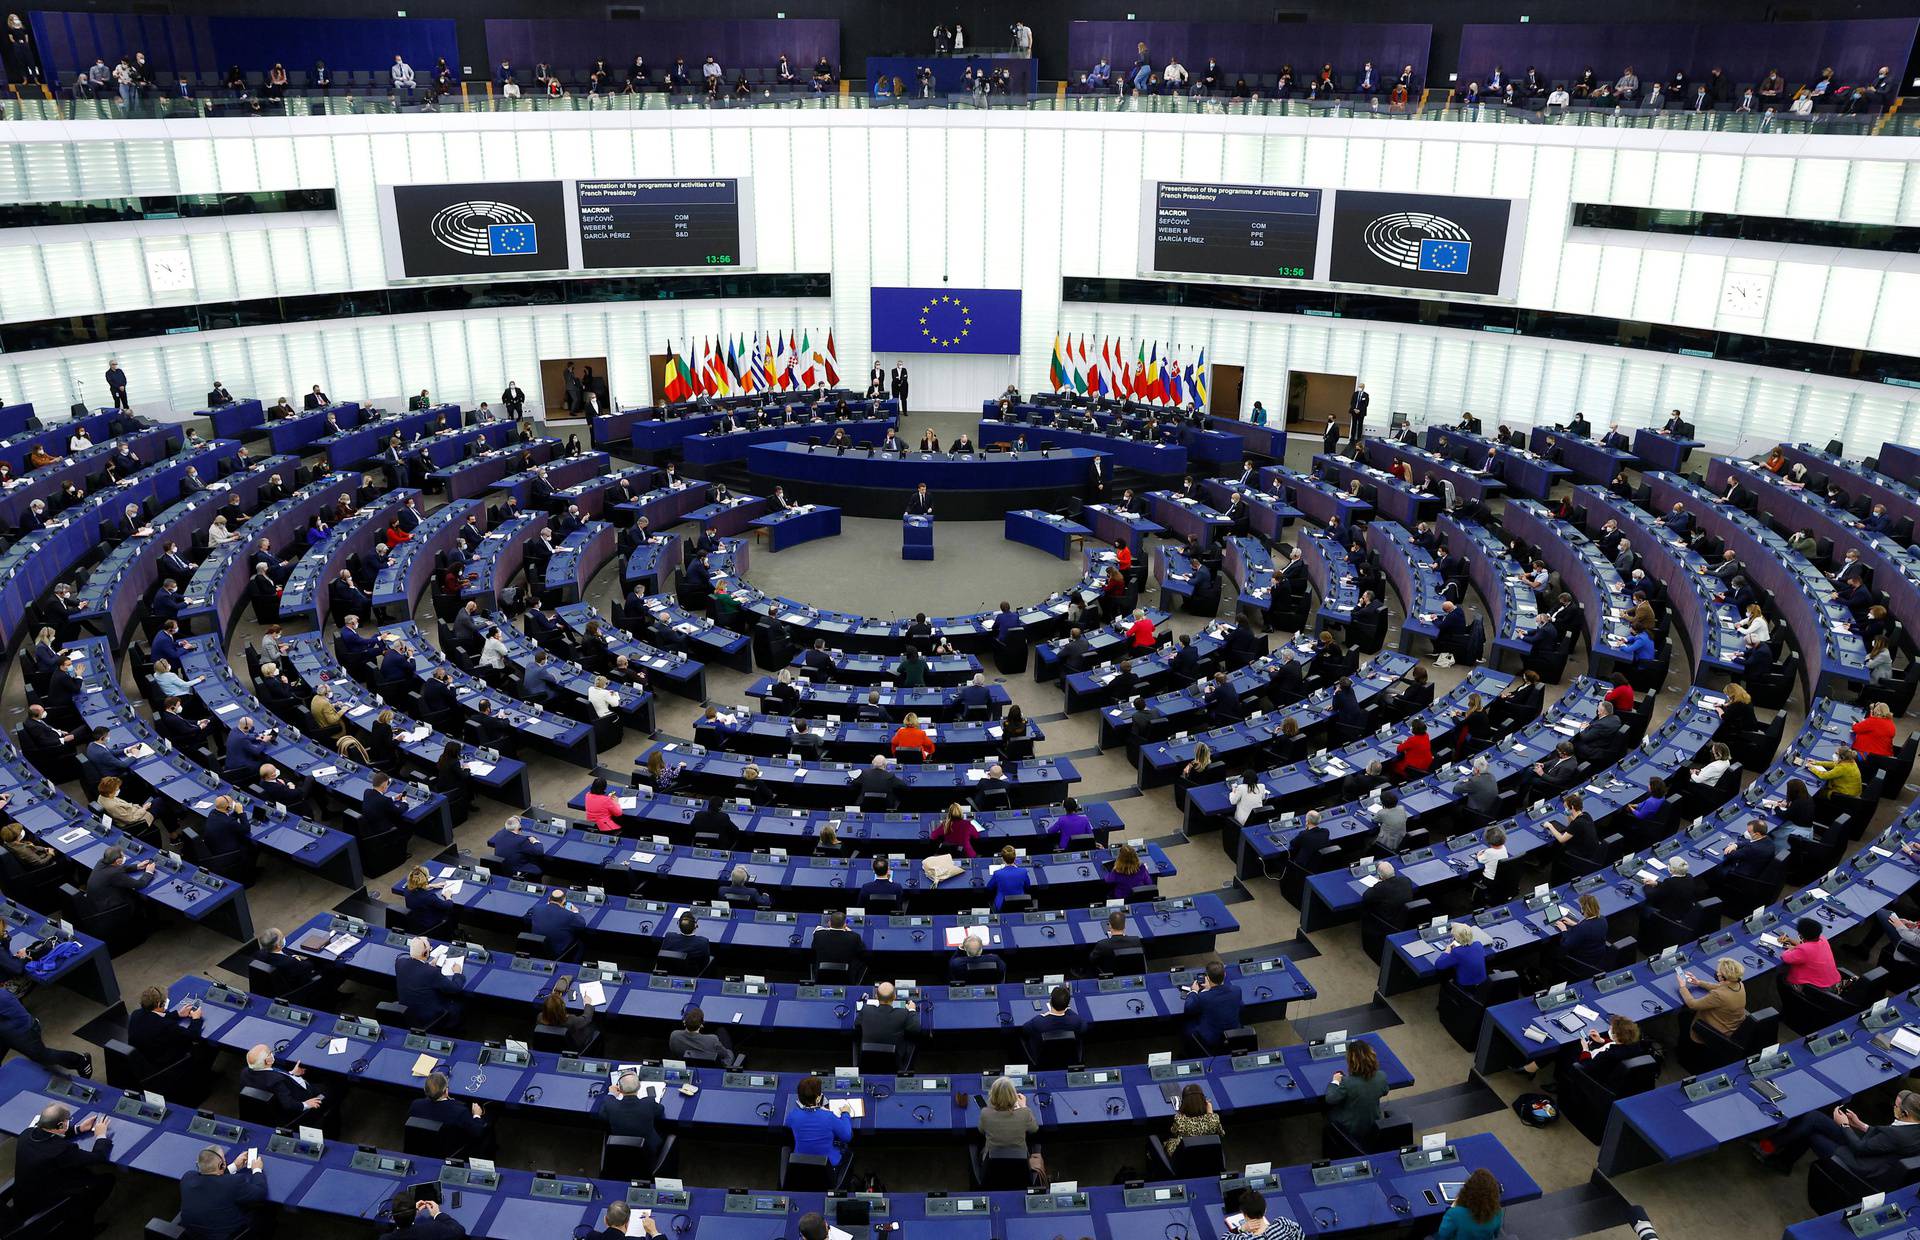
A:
[(989, 199)]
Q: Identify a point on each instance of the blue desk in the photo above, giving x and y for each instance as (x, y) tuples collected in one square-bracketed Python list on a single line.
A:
[(635, 705), (550, 731), (1330, 571), (296, 433), (15, 418), (1895, 569), (653, 563), (1267, 515), (1705, 620), (732, 516), (410, 566), (1248, 564), (1267, 441), (15, 449), (90, 973), (307, 593), (235, 419), (719, 447), (742, 731), (799, 524), (1153, 675), (1033, 781), (934, 702), (1513, 610), (480, 474), (1584, 570), (1124, 426), (1414, 575), (220, 582), (1186, 517), (1323, 504), (1589, 461), (351, 1182), (878, 483), (868, 669), (644, 432), (1148, 456), (1044, 531), (1112, 524), (500, 556), (1426, 466), (591, 494), (1900, 462), (503, 779), (1888, 1221), (1804, 595), (350, 448), (1662, 451), (327, 851), (1855, 481), (674, 627), (562, 473), (665, 668), (1522, 471), (453, 446), (579, 556), (1524, 926), (1394, 499), (916, 538), (150, 446)]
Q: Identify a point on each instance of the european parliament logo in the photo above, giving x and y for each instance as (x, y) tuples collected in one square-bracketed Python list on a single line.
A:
[(1452, 257), (945, 321), (512, 239)]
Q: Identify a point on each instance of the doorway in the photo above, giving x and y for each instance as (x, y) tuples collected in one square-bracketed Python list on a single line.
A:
[(560, 399), (1223, 390), (1315, 398)]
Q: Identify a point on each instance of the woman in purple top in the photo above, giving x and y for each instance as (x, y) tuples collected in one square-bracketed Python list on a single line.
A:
[(1126, 873), (1069, 824)]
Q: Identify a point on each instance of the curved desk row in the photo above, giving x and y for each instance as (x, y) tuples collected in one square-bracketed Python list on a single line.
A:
[(843, 668), (552, 732), (1521, 471), (742, 731), (299, 432), (1156, 458), (1855, 481), (1334, 897), (579, 556), (1316, 499), (1529, 924), (841, 701), (1588, 461), (1331, 573), (192, 788), (1706, 620), (717, 447), (411, 566), (90, 973), (451, 447), (220, 583), (878, 484), (1414, 575), (1202, 443), (1185, 703), (645, 433), (1035, 781), (479, 474), (150, 445), (307, 594), (501, 555), (1585, 572), (866, 833), (564, 472), (354, 1183), (1425, 467), (16, 448), (349, 449), (1390, 497), (1511, 602), (666, 669)]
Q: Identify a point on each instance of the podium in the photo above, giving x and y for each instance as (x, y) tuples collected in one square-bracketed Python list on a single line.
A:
[(916, 538)]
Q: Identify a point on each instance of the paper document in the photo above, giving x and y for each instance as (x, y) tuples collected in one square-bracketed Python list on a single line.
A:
[(593, 993)]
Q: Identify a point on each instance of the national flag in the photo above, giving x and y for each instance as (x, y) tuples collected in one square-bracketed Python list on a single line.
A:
[(1079, 378), (730, 377), (1057, 371), (1171, 381), (1151, 387), (678, 384), (700, 370), (832, 362), (1140, 371), (1094, 382), (806, 359), (768, 365), (749, 382), (1197, 380)]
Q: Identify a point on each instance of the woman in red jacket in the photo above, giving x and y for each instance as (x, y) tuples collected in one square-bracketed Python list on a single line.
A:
[(1140, 632), (1874, 734), (1416, 753), (1621, 695)]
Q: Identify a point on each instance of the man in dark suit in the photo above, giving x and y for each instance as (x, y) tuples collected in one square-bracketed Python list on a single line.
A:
[(1752, 856), (559, 922), (1059, 1016), (818, 658), (1357, 413), (316, 399), (111, 883), (881, 884), (219, 395), (879, 782), (1678, 519), (686, 939), (39, 736), (629, 1113), (1102, 957), (1347, 711), (1580, 426), (218, 1202), (293, 973), (117, 384), (429, 994), (882, 1022), (1389, 894), (50, 1166), (1873, 1152), (167, 1037), (900, 384), (348, 599), (294, 1098), (463, 1122), (379, 811), (834, 943), (1212, 1008), (920, 503), (1601, 740)]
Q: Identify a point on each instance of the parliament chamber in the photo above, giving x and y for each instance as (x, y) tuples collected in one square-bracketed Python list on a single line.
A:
[(752, 627)]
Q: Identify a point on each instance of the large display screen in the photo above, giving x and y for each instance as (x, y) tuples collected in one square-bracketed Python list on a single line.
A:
[(659, 223), (480, 228), (1279, 233), (1236, 230), (508, 227), (1424, 241)]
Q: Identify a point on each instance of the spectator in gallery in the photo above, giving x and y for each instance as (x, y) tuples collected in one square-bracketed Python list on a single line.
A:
[(402, 76), (22, 59), (321, 79), (277, 81)]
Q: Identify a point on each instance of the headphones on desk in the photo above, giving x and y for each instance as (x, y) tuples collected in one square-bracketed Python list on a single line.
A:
[(1177, 1231), (1086, 871), (879, 1093), (596, 1089), (1263, 992), (1649, 1005), (836, 882), (919, 935), (681, 1225), (1048, 932), (923, 1115), (280, 1047), (1205, 920), (532, 1095), (1116, 1106), (1285, 1080), (793, 940), (1399, 1204), (1325, 1218), (1136, 1006), (1005, 1018), (841, 1011), (764, 1110), (358, 1066)]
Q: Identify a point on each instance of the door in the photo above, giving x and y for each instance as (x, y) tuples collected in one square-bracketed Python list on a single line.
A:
[(1223, 395)]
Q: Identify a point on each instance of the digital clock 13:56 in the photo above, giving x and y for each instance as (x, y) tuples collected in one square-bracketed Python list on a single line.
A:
[(719, 260), (1293, 273)]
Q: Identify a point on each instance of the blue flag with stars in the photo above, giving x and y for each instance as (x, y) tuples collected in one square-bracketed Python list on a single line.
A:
[(512, 239), (1449, 256), (946, 320)]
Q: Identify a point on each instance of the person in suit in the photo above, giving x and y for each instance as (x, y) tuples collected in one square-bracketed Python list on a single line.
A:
[(466, 1122), (1357, 413), (559, 922), (1390, 892), (218, 1202), (51, 1167), (165, 1037), (920, 504), (117, 384), (112, 881), (835, 944), (1674, 895), (316, 399), (899, 385), (1347, 711), (293, 973), (1102, 956), (882, 1022), (627, 1112), (879, 782), (1752, 856), (381, 812), (429, 995), (1870, 1151), (1058, 1016), (1602, 739), (513, 400), (687, 939), (219, 395), (1212, 1008), (294, 1097)]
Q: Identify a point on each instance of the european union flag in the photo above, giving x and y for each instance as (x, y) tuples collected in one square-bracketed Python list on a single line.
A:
[(1452, 257), (512, 239), (945, 320)]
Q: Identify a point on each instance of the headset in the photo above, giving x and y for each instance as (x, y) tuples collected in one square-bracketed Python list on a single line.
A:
[(532, 1095), (280, 1047), (359, 1066), (1285, 1080), (1208, 921), (923, 1115), (1136, 1006), (1047, 931), (918, 935), (1116, 1106), (1086, 871), (682, 1224), (841, 1011), (596, 1089), (793, 940), (1263, 992), (1005, 1018), (879, 1093), (764, 1110), (1325, 1218), (1650, 1005), (1399, 1204), (1177, 1231)]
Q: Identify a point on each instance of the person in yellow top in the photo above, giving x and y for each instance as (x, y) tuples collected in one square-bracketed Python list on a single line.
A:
[(912, 736), (1841, 776), (331, 720)]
